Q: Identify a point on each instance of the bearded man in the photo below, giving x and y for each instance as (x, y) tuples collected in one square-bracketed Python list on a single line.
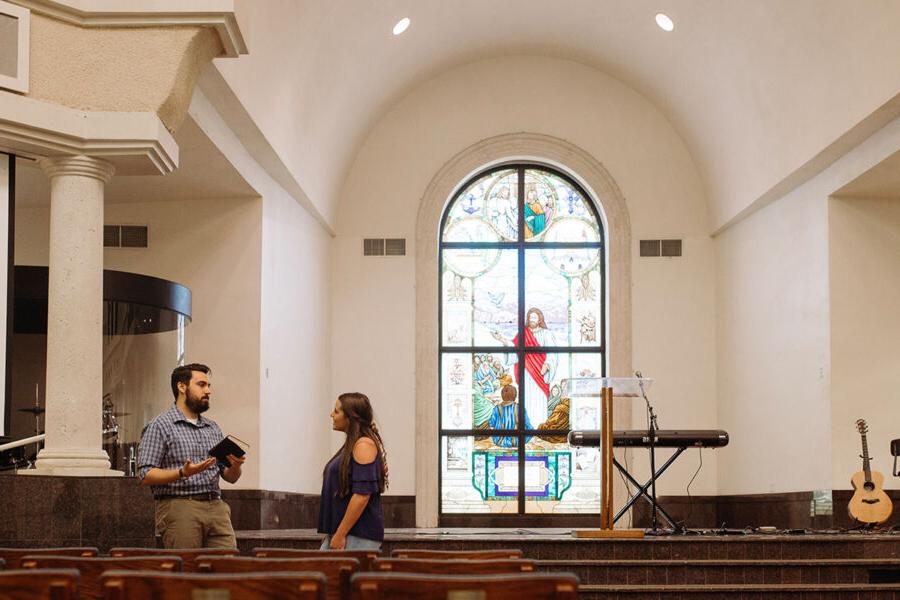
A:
[(174, 460)]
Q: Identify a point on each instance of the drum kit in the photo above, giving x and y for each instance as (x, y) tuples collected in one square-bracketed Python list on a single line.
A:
[(121, 455), (19, 458)]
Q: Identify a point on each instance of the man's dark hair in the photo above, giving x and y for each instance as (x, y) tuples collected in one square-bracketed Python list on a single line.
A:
[(183, 374)]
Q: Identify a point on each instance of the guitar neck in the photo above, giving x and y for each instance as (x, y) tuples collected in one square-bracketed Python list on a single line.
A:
[(865, 450)]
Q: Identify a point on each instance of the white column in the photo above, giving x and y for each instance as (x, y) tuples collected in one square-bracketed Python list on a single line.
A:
[(75, 319)]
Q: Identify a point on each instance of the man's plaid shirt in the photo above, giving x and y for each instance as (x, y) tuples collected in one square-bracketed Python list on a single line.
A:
[(169, 441)]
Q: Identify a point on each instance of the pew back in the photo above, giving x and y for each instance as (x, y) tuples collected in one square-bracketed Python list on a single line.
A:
[(91, 568), (337, 570), (13, 556), (151, 585), (30, 584), (412, 586), (188, 555), (365, 557)]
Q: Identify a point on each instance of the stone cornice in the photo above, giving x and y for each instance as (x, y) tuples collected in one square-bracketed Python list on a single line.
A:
[(217, 14), (136, 143)]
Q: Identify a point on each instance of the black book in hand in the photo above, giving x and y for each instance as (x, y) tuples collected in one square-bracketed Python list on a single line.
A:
[(229, 445)]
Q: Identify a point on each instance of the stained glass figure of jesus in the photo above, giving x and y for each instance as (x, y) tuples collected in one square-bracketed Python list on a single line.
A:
[(540, 368)]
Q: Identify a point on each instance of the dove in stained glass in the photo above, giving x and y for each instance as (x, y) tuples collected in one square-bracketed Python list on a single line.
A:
[(497, 298)]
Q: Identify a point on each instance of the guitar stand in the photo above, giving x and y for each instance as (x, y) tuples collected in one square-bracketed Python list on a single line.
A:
[(642, 491)]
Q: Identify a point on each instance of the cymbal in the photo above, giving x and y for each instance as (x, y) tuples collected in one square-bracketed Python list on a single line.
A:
[(35, 410), (121, 414)]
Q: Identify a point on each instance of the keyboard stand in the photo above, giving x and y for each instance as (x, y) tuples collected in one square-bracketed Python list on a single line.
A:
[(642, 490)]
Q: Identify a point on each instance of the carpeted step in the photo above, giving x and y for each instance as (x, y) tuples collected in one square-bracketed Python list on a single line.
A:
[(699, 572), (834, 591)]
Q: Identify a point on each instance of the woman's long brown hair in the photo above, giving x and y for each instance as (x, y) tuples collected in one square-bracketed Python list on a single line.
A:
[(360, 423)]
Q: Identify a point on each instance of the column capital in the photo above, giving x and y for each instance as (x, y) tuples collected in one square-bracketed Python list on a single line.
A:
[(79, 165)]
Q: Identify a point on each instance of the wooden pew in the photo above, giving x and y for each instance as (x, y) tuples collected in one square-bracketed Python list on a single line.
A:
[(337, 570), (365, 557), (412, 586), (458, 554), (188, 555), (13, 556), (91, 568), (152, 585), (28, 584), (453, 566)]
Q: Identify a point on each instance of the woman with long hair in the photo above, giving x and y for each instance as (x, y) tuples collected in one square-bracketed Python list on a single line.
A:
[(350, 512)]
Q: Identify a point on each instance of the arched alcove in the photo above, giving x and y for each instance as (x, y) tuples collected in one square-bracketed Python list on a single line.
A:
[(590, 174)]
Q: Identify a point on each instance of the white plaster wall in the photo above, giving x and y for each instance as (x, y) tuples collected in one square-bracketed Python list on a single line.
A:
[(373, 342), (865, 326), (295, 357), (295, 321), (778, 88), (214, 248), (774, 346), (374, 298), (773, 355)]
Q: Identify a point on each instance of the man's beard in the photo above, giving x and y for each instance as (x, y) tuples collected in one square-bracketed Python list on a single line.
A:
[(195, 405)]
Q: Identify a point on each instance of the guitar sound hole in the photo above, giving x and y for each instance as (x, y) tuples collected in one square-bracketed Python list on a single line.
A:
[(869, 486)]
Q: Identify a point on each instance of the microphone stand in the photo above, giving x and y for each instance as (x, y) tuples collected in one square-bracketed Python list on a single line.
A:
[(652, 428)]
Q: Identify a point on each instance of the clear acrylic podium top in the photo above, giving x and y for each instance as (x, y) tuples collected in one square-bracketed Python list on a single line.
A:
[(623, 387)]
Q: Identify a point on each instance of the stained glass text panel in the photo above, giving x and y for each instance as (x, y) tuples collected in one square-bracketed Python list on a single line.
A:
[(475, 480)]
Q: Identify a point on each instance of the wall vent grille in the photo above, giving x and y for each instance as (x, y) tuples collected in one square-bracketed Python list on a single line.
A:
[(661, 247), (125, 236), (111, 236), (384, 247), (395, 247), (373, 247), (649, 247), (134, 236), (670, 247)]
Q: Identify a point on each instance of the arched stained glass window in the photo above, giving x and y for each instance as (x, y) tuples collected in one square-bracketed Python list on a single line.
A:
[(522, 307)]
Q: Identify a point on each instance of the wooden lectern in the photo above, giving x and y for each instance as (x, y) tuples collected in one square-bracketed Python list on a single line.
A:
[(610, 387)]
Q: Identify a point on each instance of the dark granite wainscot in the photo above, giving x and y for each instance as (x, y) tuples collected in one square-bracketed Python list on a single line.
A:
[(75, 511)]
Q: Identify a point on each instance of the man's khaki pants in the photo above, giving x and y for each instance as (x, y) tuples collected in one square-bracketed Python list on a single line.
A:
[(188, 523)]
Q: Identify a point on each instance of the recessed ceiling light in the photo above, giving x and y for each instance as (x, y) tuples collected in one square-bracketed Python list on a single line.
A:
[(401, 25), (664, 22)]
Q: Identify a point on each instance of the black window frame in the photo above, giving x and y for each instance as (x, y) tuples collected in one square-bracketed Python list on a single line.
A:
[(521, 518)]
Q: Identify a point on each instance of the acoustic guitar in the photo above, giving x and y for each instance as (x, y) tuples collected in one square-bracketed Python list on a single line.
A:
[(869, 503)]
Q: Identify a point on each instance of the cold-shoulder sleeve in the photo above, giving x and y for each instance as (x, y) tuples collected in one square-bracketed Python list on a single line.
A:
[(364, 478)]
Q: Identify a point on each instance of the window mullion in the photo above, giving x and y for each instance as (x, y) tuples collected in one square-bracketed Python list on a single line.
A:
[(520, 365)]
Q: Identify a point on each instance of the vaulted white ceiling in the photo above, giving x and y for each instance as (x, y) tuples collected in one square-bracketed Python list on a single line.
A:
[(757, 88)]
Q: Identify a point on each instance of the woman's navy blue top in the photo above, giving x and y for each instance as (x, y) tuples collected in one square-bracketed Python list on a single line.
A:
[(333, 506)]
